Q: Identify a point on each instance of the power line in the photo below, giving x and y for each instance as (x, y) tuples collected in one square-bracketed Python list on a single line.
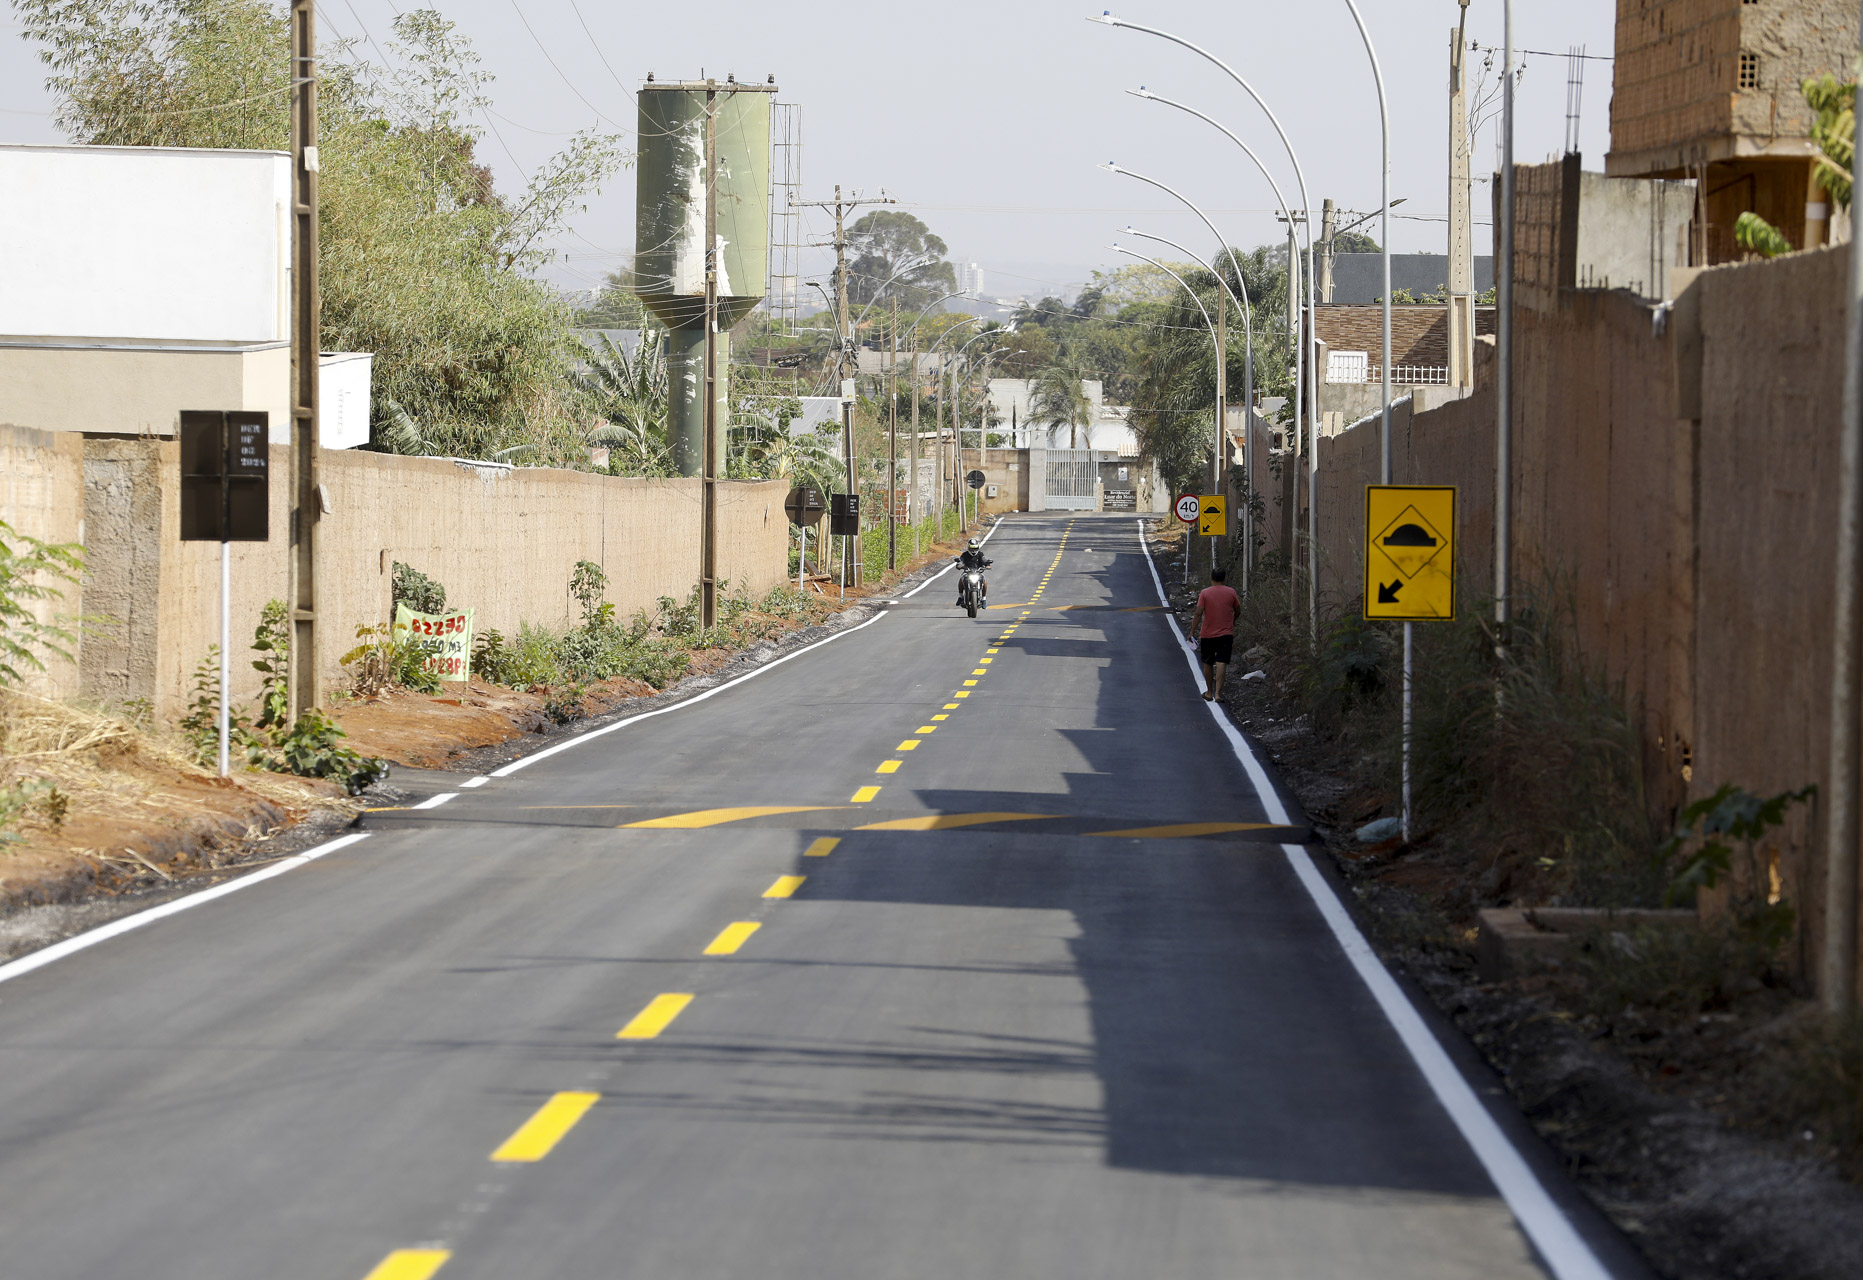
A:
[(559, 71)]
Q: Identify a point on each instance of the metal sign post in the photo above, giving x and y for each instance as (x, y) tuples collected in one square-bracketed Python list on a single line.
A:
[(225, 498), (1187, 506), (804, 507), (1409, 572)]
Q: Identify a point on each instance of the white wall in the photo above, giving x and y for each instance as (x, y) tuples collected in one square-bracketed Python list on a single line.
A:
[(145, 243)]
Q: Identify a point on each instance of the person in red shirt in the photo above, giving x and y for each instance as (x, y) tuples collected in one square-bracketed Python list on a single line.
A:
[(1214, 625)]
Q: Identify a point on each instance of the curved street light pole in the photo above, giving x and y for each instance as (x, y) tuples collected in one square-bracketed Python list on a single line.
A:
[(1384, 373), (1216, 458), (957, 429), (1311, 381), (1215, 345), (1248, 393)]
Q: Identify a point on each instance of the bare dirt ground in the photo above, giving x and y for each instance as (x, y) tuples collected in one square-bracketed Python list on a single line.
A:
[(1663, 1125)]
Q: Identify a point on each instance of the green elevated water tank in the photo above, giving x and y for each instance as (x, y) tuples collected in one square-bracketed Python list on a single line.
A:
[(669, 235)]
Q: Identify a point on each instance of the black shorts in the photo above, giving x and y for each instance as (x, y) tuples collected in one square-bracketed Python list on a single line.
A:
[(1214, 649)]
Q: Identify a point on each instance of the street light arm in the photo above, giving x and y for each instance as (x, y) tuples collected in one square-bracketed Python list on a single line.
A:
[(1242, 303), (1203, 217), (1117, 248)]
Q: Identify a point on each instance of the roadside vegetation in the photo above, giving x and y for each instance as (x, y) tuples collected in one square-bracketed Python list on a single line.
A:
[(1528, 791)]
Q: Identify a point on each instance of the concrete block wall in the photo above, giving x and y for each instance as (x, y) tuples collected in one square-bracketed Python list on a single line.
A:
[(503, 541)]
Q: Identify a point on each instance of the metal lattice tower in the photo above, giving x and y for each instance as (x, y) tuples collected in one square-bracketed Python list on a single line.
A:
[(785, 215)]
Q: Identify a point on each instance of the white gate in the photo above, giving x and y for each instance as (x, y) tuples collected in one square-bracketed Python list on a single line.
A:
[(1072, 476)]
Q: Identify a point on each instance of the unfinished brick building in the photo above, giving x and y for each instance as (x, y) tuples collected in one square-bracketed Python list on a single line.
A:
[(1710, 90)]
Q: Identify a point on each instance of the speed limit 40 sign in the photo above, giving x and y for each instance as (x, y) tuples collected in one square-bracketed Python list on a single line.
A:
[(1188, 505)]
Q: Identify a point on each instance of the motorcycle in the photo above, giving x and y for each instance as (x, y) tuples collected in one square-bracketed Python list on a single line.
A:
[(970, 590)]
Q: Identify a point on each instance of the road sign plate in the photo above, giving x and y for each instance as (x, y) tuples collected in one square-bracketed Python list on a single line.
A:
[(804, 505), (1410, 552), (1213, 515), (1187, 507), (974, 479)]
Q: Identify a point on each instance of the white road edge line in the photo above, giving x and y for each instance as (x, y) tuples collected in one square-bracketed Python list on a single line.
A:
[(592, 734), (434, 802), (103, 933), (479, 781), (1563, 1250)]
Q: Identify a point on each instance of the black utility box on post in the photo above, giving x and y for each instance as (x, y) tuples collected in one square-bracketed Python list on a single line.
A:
[(224, 492)]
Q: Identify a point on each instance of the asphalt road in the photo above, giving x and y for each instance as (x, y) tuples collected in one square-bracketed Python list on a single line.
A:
[(1008, 976)]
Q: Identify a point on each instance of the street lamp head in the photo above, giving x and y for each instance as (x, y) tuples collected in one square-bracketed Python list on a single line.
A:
[(1110, 167), (1105, 16), (1142, 92)]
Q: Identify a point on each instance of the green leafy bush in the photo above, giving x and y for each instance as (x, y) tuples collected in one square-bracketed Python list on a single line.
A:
[(416, 590), (384, 659), (310, 750), (28, 567)]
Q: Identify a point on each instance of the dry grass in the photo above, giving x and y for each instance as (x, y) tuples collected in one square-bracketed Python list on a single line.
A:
[(108, 801)]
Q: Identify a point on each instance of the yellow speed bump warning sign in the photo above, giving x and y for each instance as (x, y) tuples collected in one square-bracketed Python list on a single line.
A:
[(1213, 516), (1410, 552)]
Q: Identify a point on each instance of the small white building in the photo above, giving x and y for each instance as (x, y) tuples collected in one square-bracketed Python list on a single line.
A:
[(1106, 430), (141, 281)]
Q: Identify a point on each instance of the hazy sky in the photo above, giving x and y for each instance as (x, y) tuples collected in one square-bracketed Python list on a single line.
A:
[(988, 119)]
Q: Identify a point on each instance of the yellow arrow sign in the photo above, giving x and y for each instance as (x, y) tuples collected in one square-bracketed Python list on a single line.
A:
[(1213, 516), (1410, 552)]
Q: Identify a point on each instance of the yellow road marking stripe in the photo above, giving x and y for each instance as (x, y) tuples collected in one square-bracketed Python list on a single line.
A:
[(1186, 829), (865, 794), (656, 1017), (889, 766), (979, 672), (410, 1264), (992, 650), (912, 744), (731, 937), (927, 728), (785, 887), (714, 817), (968, 684), (537, 1135), (949, 706), (961, 693), (950, 821), (822, 847)]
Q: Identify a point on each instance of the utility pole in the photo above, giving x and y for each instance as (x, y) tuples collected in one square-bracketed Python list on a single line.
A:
[(912, 467), (1329, 217), (306, 323), (843, 206), (892, 443), (1221, 455), (1461, 228), (708, 467)]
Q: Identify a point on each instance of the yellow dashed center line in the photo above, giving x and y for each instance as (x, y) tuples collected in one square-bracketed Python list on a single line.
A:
[(410, 1264), (927, 728), (785, 887), (865, 794), (968, 684), (733, 936), (822, 847), (949, 706), (889, 766), (910, 744), (962, 693), (656, 1017), (537, 1135)]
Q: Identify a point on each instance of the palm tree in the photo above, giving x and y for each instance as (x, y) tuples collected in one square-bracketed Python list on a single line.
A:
[(1058, 396), (629, 393)]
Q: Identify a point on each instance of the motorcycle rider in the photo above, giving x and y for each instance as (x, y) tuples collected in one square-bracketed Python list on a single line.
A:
[(972, 557)]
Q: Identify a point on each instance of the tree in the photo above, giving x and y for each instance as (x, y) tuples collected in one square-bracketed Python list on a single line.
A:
[(615, 307), (1057, 398), (423, 262), (892, 254)]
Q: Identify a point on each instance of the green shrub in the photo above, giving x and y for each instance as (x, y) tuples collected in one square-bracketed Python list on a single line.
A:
[(416, 590), (385, 659), (28, 567)]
